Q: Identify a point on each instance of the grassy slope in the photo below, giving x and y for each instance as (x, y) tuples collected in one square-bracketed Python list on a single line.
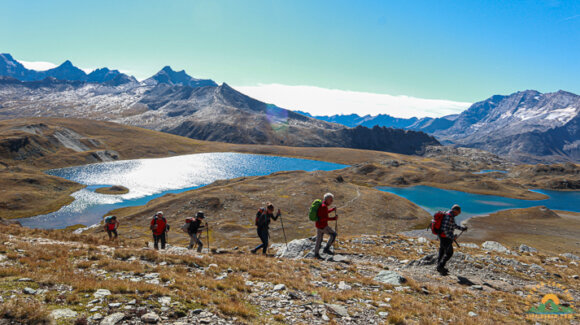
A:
[(539, 227), (57, 260)]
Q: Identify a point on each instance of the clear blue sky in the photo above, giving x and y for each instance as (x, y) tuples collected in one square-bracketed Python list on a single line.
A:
[(456, 50)]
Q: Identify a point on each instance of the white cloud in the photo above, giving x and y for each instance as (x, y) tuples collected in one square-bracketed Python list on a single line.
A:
[(38, 65), (323, 101)]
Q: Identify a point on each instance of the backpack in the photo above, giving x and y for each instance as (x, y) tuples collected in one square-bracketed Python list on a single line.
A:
[(185, 226), (108, 219), (258, 215), (436, 222), (313, 213)]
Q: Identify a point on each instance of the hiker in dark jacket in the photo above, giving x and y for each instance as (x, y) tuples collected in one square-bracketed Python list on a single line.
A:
[(446, 238), (263, 217), (159, 228), (322, 226), (194, 230)]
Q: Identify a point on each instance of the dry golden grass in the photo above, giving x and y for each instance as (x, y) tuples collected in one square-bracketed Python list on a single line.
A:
[(25, 311)]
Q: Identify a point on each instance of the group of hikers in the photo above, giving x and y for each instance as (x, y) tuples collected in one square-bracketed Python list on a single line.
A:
[(443, 225)]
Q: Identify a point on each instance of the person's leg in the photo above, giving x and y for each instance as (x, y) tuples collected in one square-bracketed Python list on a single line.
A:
[(155, 241), (319, 235), (262, 244), (192, 240), (332, 235), (115, 233), (441, 251), (264, 238), (109, 233), (199, 243), (448, 251), (162, 236)]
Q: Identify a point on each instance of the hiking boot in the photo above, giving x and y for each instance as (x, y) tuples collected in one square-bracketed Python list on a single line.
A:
[(443, 271), (317, 256), (253, 251), (327, 251)]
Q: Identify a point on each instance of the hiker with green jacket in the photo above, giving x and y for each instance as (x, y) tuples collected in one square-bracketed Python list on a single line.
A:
[(322, 226), (263, 217), (446, 238)]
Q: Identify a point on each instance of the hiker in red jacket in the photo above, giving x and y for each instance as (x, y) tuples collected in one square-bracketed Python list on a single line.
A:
[(322, 226), (159, 227), (111, 225)]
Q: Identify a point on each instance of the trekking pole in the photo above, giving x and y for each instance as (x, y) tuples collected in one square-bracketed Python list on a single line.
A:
[(207, 232), (335, 222), (284, 231), (455, 239)]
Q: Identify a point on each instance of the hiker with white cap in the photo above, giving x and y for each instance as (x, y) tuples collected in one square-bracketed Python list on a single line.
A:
[(159, 228)]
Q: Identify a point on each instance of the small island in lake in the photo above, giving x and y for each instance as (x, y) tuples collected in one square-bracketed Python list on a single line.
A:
[(115, 189)]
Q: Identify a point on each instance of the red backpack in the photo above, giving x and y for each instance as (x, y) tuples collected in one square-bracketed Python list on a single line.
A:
[(436, 222)]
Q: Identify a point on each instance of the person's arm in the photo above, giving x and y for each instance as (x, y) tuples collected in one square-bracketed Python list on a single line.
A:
[(116, 224), (275, 217)]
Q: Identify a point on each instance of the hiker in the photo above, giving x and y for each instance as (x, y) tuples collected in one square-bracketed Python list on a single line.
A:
[(111, 225), (159, 227), (263, 217), (194, 230), (322, 226), (446, 238)]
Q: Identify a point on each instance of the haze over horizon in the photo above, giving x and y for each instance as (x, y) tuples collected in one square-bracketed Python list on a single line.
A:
[(399, 58)]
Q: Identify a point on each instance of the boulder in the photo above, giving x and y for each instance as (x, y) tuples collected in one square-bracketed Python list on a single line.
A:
[(495, 246), (279, 287), (113, 319), (297, 248), (390, 277), (337, 310), (527, 249), (63, 313), (150, 318), (101, 293), (571, 256)]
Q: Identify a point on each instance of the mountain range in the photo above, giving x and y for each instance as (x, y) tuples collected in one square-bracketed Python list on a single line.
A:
[(526, 126), (174, 102)]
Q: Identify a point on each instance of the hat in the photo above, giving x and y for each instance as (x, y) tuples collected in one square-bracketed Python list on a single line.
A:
[(456, 207), (159, 213), (200, 215)]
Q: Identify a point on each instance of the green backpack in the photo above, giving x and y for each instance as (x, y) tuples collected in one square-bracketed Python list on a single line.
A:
[(313, 213)]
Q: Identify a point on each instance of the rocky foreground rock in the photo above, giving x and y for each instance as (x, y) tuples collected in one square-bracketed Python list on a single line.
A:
[(370, 280)]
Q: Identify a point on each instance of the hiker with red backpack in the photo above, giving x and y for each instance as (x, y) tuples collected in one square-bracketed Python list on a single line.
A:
[(159, 228), (443, 225), (322, 226), (263, 217), (111, 225), (194, 230)]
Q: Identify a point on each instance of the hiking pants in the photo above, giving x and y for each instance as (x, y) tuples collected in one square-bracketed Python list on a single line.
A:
[(320, 233), (445, 251), (263, 234), (194, 239), (157, 238), (111, 233)]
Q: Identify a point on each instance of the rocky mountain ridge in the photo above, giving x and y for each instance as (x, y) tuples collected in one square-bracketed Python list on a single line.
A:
[(526, 126), (176, 103)]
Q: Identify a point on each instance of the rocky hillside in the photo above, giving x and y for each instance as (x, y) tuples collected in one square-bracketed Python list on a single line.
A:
[(51, 276), (174, 102)]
